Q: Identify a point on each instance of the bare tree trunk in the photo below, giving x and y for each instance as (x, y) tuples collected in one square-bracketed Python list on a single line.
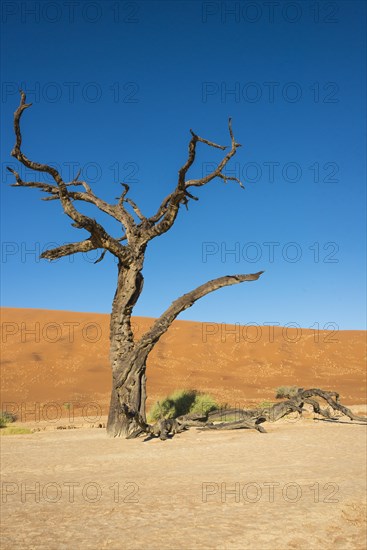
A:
[(128, 364), (131, 394)]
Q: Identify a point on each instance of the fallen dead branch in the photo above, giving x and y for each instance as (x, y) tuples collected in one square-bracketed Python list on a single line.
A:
[(243, 418)]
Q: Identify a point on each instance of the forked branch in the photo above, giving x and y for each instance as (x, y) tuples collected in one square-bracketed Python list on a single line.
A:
[(69, 249), (138, 228), (99, 236), (168, 210)]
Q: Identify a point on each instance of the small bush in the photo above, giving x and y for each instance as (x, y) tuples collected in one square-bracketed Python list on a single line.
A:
[(204, 403), (286, 391), (6, 418), (182, 402)]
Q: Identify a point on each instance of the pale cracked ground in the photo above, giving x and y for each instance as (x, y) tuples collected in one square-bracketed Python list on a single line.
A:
[(172, 494)]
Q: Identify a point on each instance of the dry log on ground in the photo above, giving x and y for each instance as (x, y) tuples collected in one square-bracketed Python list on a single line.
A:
[(243, 418)]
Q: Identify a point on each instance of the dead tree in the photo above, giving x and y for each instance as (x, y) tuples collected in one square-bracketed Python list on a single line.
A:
[(235, 419), (128, 355)]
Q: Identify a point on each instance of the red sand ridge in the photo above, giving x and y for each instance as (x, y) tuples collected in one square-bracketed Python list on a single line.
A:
[(63, 358)]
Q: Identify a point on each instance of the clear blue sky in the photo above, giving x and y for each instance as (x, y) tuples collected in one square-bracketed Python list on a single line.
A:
[(116, 86)]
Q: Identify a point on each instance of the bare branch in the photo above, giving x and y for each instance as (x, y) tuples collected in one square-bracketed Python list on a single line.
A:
[(78, 174), (54, 192), (123, 194), (218, 171), (85, 185), (101, 257), (126, 217), (190, 160), (100, 237), (68, 249), (161, 325), (181, 177), (231, 178), (46, 187), (168, 210), (328, 396), (136, 209), (210, 143), (17, 153)]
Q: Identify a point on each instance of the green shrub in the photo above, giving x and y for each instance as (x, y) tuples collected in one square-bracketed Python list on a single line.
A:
[(6, 418), (182, 402), (204, 403), (286, 391)]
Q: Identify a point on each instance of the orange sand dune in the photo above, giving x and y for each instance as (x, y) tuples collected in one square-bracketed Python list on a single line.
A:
[(62, 357)]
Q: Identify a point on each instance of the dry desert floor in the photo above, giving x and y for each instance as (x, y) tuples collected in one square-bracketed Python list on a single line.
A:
[(300, 486)]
